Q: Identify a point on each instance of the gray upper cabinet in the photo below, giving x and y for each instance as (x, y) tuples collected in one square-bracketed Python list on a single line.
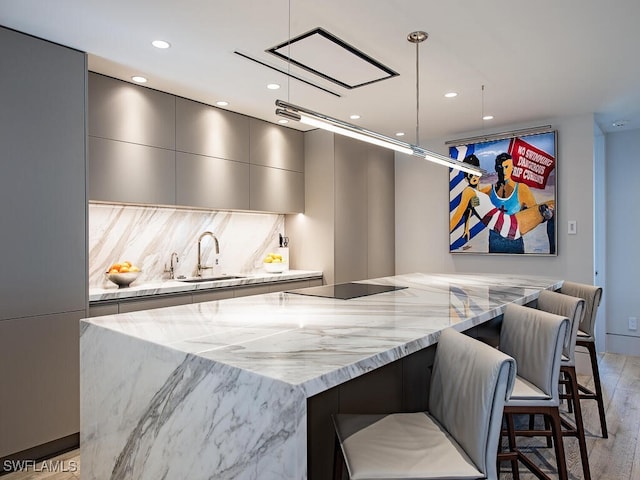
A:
[(275, 190), (149, 147), (210, 182), (205, 130), (275, 146), (131, 173), (121, 111)]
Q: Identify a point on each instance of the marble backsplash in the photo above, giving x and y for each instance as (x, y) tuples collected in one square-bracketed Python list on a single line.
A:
[(147, 236)]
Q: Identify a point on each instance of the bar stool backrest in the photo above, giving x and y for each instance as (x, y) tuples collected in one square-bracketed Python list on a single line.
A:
[(592, 296), (565, 306), (469, 386), (535, 340)]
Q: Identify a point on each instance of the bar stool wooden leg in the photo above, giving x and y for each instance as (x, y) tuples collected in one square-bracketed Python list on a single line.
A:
[(587, 394), (578, 430), (515, 472), (556, 428), (552, 418)]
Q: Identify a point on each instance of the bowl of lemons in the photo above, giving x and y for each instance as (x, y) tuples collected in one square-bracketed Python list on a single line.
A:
[(273, 263), (123, 273)]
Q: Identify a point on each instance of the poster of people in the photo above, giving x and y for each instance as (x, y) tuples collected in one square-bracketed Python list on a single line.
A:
[(511, 209)]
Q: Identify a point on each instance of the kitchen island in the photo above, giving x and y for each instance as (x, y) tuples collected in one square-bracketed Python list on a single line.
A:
[(223, 389)]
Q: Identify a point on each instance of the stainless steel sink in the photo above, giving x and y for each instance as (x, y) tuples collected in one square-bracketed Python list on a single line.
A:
[(209, 279)]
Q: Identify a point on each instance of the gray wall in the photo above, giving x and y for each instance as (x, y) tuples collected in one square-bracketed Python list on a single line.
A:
[(623, 232)]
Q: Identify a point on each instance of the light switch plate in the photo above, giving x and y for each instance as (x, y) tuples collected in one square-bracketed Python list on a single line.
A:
[(572, 227)]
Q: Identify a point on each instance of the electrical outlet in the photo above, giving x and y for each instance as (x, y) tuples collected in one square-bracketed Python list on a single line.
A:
[(633, 323)]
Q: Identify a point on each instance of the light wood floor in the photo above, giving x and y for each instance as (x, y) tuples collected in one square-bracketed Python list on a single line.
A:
[(614, 458)]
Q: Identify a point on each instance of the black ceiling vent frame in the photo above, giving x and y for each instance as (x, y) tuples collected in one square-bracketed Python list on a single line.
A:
[(333, 59)]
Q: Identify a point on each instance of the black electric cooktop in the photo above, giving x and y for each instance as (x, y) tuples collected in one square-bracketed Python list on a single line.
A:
[(345, 291)]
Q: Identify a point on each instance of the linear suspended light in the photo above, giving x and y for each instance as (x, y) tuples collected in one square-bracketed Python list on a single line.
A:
[(325, 122)]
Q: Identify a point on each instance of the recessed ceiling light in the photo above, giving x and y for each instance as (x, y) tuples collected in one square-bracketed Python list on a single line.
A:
[(619, 123), (273, 86), (451, 94), (139, 79), (283, 121), (400, 134), (488, 117), (222, 103), (354, 117), (160, 44)]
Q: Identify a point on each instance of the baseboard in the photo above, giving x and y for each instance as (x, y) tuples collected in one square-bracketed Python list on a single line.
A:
[(623, 344), (39, 453)]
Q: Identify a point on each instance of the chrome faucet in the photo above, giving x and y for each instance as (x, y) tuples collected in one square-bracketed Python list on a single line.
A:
[(200, 266), (171, 270)]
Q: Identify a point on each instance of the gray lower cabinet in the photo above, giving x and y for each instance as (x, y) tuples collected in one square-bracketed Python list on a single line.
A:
[(154, 302), (97, 309), (40, 371), (212, 295), (251, 290), (100, 309), (210, 182), (131, 173), (276, 190), (130, 113)]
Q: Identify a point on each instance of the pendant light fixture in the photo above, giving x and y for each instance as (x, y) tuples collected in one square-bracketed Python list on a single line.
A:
[(325, 122)]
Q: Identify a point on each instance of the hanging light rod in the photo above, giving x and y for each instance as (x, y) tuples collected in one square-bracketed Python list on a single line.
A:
[(325, 122), (500, 136)]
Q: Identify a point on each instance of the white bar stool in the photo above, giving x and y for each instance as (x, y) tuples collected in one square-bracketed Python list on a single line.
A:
[(456, 439), (535, 340), (586, 338), (572, 308)]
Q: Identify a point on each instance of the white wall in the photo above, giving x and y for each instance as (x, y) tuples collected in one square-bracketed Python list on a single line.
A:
[(422, 214), (623, 233)]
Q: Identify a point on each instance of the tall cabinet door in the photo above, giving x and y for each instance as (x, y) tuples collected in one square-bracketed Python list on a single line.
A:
[(43, 291), (351, 215), (43, 180)]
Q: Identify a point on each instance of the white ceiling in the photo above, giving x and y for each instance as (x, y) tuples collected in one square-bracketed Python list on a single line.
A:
[(537, 59)]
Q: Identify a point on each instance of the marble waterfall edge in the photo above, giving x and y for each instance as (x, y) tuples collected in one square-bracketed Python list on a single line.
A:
[(148, 412)]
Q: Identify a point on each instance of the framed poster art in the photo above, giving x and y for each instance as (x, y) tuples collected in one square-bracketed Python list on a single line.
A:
[(511, 209)]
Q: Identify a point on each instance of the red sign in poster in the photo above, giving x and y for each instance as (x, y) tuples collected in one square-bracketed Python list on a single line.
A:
[(531, 165)]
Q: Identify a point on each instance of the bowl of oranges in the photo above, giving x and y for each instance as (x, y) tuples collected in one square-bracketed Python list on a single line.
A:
[(123, 273)]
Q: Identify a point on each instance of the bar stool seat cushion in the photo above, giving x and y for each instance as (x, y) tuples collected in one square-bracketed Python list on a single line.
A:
[(402, 446), (527, 393)]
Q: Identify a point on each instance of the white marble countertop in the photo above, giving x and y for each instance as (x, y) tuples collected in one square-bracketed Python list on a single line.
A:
[(315, 343), (176, 286)]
